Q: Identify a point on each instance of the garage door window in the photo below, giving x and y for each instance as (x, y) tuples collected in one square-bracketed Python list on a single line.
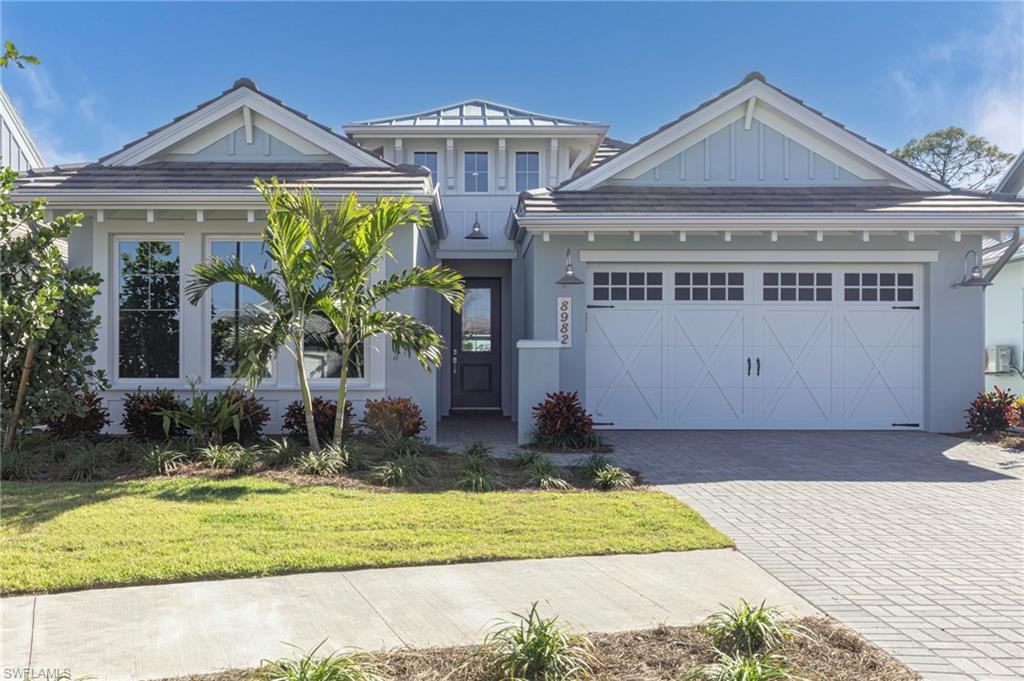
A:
[(870, 287), (627, 285), (711, 286), (797, 286)]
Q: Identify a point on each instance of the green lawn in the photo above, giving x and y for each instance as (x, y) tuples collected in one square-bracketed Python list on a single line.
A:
[(66, 536)]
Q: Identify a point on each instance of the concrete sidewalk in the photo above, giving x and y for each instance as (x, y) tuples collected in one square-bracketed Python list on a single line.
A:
[(151, 632)]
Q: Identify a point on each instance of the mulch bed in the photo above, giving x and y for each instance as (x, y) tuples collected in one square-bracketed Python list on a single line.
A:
[(832, 653)]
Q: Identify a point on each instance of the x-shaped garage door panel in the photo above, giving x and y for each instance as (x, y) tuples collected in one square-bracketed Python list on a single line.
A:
[(881, 366), (625, 366), (705, 387), (796, 352)]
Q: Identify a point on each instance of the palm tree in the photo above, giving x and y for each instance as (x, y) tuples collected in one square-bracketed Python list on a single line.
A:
[(352, 244), (292, 290)]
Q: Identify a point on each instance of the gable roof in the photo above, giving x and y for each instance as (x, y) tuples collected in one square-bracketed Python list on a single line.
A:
[(755, 86), (473, 113), (243, 93), (19, 133), (1012, 180)]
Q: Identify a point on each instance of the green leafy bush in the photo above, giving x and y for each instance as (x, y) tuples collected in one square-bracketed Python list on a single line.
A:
[(476, 479), (405, 469), (989, 412), (84, 462), (749, 630), (279, 452), (327, 462), (253, 414), (159, 459), (593, 463), (309, 667), (324, 414), (612, 477), (540, 471), (561, 422), (740, 667), (15, 464), (392, 418), (86, 418), (230, 456), (144, 414), (538, 648)]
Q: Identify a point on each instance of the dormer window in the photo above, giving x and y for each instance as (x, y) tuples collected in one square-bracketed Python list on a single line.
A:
[(475, 171), (428, 159), (527, 170)]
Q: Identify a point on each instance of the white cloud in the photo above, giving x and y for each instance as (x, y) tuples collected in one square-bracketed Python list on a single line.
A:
[(44, 96)]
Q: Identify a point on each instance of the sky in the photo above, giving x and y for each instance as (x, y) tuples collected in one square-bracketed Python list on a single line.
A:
[(889, 71)]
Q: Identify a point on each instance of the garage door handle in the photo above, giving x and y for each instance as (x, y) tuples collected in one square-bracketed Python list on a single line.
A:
[(758, 366), (748, 366)]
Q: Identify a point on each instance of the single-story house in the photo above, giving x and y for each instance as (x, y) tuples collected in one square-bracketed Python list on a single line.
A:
[(751, 264), (1004, 300)]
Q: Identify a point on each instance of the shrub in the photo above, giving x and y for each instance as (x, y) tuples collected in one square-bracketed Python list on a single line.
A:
[(393, 417), (86, 419), (279, 452), (525, 457), (328, 461), (593, 463), (160, 460), (477, 450), (612, 477), (749, 630), (541, 472), (989, 411), (473, 478), (84, 462), (253, 415), (309, 667), (324, 413), (561, 422), (15, 464), (540, 649), (405, 469), (143, 414), (231, 456), (742, 668)]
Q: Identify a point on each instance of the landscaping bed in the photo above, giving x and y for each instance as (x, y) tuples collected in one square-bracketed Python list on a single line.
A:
[(831, 653)]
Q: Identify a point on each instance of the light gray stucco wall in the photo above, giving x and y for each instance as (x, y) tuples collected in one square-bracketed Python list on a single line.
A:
[(80, 245), (760, 156), (1004, 322), (953, 318)]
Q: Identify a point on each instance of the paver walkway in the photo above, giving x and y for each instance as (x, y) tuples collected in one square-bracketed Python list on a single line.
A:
[(151, 632), (914, 540)]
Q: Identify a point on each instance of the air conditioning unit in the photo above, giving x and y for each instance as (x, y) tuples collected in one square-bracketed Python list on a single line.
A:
[(998, 359)]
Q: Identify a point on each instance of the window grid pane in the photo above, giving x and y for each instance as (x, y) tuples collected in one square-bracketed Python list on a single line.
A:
[(475, 171), (805, 287), (149, 326), (428, 159), (232, 306), (709, 286), (878, 287), (527, 170), (633, 286)]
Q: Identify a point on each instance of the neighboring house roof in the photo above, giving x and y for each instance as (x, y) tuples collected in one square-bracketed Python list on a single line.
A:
[(12, 125), (1012, 180), (177, 177), (754, 87), (241, 94), (758, 200), (473, 113), (607, 150)]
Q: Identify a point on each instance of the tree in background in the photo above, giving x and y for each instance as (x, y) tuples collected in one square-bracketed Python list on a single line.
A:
[(47, 328), (955, 158)]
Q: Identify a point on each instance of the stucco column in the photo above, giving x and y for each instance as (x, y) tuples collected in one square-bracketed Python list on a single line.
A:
[(538, 376)]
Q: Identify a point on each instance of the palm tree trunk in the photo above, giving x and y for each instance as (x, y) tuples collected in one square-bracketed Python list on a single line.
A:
[(307, 399), (339, 418), (19, 401)]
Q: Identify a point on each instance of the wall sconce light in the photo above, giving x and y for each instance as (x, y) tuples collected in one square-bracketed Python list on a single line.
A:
[(570, 278), (475, 232), (973, 276)]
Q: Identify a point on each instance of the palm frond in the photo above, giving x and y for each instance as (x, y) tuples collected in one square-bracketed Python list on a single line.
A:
[(408, 335), (229, 270), (442, 280)]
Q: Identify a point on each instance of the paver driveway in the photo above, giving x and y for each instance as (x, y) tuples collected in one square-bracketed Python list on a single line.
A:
[(915, 540)]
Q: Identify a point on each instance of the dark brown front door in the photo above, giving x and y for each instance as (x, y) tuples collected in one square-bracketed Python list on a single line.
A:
[(476, 347)]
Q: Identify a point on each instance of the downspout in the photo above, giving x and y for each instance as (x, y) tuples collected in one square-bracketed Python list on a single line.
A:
[(1011, 249)]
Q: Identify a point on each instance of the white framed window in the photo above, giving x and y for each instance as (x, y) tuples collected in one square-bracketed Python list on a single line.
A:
[(231, 306), (708, 286), (475, 171), (527, 170), (802, 287), (882, 287), (428, 159), (148, 308), (627, 286), (322, 356)]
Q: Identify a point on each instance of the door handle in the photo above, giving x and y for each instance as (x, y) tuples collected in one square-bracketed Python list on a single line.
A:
[(758, 366), (455, 361), (748, 366)]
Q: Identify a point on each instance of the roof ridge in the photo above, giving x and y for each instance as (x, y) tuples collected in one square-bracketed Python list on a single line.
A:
[(438, 112)]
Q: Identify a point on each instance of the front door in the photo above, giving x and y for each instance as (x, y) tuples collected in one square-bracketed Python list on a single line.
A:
[(476, 347)]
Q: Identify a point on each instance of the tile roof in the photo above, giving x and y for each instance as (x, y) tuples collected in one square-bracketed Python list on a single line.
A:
[(758, 200), (607, 150), (238, 84), (473, 112), (220, 177)]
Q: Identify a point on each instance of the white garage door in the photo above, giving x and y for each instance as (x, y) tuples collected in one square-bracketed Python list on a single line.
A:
[(689, 346)]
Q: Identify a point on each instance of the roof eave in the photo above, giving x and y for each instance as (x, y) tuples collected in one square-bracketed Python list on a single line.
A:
[(475, 131)]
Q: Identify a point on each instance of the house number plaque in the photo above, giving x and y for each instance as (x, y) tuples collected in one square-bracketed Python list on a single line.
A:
[(565, 322)]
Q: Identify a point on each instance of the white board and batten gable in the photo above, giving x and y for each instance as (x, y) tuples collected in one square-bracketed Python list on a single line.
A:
[(753, 135), (243, 125), (17, 150)]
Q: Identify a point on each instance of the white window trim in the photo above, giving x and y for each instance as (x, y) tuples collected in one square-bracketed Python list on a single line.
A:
[(438, 174), (487, 155), (515, 169), (207, 326), (117, 380)]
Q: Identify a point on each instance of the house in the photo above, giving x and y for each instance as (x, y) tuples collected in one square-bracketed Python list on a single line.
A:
[(751, 264), (1004, 300), (17, 150)]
